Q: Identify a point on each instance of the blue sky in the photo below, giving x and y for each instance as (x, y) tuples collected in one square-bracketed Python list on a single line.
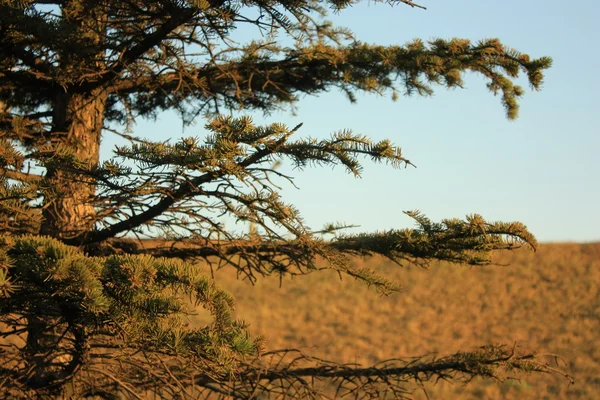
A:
[(542, 169)]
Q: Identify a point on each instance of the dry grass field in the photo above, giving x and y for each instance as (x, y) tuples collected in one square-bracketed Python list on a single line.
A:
[(548, 301)]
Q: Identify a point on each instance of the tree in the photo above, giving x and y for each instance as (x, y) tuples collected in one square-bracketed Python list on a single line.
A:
[(88, 311)]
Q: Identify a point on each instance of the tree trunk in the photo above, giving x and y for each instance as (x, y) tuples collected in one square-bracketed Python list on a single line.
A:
[(68, 209), (56, 344), (77, 125)]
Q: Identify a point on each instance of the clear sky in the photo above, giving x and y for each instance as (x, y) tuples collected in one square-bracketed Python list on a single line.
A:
[(542, 169)]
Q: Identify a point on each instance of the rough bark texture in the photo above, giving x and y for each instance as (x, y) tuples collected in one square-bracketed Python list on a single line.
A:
[(78, 122), (77, 127)]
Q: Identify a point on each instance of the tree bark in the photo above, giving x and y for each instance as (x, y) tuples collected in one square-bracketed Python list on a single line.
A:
[(68, 209), (77, 119)]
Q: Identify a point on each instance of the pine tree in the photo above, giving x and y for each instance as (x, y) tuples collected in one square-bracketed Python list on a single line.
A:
[(87, 312)]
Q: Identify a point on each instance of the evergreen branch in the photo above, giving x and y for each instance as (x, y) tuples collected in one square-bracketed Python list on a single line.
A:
[(281, 73), (226, 157), (470, 364), (17, 215), (19, 46), (184, 190), (283, 375), (462, 242), (83, 302), (20, 176), (26, 80), (177, 18), (20, 51), (448, 244), (410, 3)]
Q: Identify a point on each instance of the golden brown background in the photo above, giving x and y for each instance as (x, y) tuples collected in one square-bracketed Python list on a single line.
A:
[(547, 301)]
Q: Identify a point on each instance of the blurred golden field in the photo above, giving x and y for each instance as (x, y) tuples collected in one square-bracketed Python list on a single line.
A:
[(548, 301)]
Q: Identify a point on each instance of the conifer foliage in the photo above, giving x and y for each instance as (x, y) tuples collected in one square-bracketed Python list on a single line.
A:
[(88, 312)]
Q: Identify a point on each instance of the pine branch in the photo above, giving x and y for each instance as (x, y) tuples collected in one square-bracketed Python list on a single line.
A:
[(225, 158), (178, 17), (78, 305), (281, 373), (470, 364), (282, 73), (20, 176), (184, 190), (471, 241), (410, 3)]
